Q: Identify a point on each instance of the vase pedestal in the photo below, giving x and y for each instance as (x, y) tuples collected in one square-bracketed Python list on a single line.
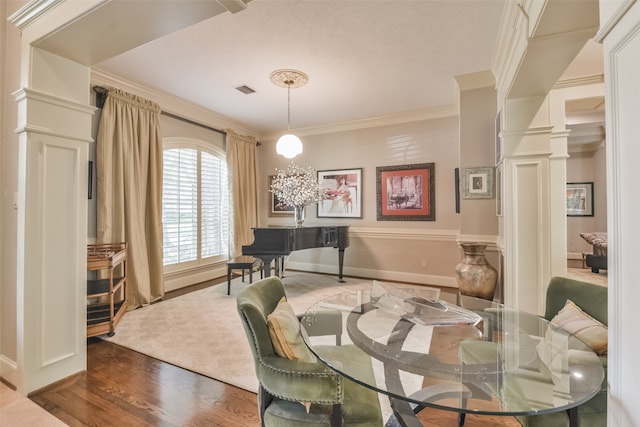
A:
[(475, 276)]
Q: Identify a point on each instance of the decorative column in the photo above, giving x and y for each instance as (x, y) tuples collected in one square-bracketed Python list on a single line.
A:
[(54, 127), (620, 21), (528, 208), (536, 45), (54, 133)]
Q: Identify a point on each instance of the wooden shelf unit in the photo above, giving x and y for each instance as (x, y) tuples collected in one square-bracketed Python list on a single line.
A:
[(104, 315)]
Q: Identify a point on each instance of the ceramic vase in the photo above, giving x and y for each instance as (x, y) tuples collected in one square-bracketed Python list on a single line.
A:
[(298, 214), (475, 276)]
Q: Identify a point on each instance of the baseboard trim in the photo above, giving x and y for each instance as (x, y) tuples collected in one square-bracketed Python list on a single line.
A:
[(8, 370), (176, 281), (396, 276)]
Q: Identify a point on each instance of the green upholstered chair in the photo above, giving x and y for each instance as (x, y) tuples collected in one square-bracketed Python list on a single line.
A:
[(284, 383), (592, 299)]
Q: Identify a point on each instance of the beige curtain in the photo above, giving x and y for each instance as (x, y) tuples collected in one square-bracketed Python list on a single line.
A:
[(129, 190), (242, 164)]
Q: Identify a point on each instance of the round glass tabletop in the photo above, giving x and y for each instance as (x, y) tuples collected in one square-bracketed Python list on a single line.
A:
[(436, 349)]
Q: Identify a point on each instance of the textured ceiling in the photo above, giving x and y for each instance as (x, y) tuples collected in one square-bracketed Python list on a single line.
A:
[(364, 59)]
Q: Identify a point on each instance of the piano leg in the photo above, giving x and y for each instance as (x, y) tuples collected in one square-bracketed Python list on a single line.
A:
[(340, 264), (279, 266), (266, 264), (282, 266)]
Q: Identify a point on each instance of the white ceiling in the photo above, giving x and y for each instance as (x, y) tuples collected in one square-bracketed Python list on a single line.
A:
[(364, 59)]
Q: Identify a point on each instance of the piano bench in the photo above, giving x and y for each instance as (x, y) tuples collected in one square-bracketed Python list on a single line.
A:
[(243, 263)]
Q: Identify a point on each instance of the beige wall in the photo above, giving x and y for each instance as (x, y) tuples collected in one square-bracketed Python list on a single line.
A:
[(478, 219), (414, 251), (477, 150)]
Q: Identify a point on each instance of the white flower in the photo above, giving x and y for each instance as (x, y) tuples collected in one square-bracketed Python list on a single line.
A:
[(297, 186)]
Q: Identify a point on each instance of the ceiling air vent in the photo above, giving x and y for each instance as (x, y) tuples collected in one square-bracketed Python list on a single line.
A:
[(245, 89)]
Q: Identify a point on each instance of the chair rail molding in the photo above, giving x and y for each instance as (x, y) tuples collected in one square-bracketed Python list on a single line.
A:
[(404, 234)]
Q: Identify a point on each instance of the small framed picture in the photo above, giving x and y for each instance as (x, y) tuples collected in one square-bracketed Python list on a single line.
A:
[(499, 190), (498, 140), (456, 184), (580, 199), (275, 208), (477, 183), (343, 193)]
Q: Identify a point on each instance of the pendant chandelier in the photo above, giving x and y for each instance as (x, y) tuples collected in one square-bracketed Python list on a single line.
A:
[(289, 145)]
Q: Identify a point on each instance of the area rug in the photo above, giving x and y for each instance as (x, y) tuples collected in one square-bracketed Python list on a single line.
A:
[(202, 332)]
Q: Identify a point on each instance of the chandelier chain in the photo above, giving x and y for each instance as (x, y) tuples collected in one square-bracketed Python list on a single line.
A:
[(289, 145), (288, 108)]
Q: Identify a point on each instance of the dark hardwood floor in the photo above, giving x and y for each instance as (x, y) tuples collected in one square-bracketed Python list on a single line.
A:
[(124, 388)]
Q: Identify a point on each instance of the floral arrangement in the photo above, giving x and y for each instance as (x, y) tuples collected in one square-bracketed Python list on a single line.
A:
[(297, 186)]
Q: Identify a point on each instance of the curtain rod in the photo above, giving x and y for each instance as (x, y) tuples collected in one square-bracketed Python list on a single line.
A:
[(101, 96), (184, 119)]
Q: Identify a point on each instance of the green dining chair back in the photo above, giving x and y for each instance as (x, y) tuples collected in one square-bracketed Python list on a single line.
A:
[(288, 387)]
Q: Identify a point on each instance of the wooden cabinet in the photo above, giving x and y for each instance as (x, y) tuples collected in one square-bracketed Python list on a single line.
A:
[(106, 297)]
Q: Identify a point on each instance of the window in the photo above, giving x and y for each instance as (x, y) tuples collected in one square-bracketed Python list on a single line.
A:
[(195, 204)]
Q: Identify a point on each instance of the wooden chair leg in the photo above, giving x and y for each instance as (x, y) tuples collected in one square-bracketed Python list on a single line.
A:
[(264, 401), (336, 415)]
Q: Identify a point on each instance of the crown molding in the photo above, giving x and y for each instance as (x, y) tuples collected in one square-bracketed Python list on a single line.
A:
[(32, 11), (481, 79), (579, 81), (512, 38), (605, 28), (538, 130), (234, 6), (175, 105), (36, 95), (586, 148), (391, 119), (170, 103)]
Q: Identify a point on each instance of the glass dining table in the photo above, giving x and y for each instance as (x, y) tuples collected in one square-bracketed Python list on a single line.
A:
[(432, 349)]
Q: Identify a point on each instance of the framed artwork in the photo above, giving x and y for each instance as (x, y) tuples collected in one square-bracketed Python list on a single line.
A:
[(343, 189), (274, 208), (456, 181), (499, 191), (406, 193), (498, 140), (580, 199), (90, 180), (477, 183)]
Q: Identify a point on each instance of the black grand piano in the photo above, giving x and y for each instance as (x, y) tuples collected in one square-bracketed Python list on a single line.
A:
[(273, 243)]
